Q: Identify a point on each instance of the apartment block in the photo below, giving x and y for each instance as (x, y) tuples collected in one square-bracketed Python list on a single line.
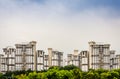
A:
[(99, 55), (8, 59), (46, 66), (84, 60), (40, 60), (79, 59), (55, 58), (1, 63), (112, 59), (25, 56), (74, 59), (116, 62)]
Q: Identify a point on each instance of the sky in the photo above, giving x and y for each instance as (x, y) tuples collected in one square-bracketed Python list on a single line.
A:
[(63, 25)]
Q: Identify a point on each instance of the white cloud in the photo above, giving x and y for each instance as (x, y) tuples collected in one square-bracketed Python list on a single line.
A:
[(57, 26)]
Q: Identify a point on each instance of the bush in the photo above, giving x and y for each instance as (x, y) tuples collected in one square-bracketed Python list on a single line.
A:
[(70, 67), (67, 72)]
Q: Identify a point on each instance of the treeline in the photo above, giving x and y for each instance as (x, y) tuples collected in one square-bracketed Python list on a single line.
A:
[(67, 72)]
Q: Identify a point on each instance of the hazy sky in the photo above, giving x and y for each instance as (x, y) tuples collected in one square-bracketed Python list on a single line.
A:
[(64, 25)]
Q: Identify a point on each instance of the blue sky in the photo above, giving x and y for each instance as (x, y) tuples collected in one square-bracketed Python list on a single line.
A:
[(78, 4), (61, 24)]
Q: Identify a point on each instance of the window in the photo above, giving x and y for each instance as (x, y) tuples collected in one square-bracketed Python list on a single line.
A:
[(84, 61), (38, 54), (83, 53)]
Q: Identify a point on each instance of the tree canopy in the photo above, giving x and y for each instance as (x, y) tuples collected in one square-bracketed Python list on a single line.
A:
[(67, 72)]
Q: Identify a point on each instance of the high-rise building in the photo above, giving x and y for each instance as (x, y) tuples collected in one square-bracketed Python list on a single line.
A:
[(25, 56), (46, 66), (80, 60), (116, 62), (74, 59), (2, 64), (69, 59), (112, 58), (84, 60), (55, 58), (8, 61), (99, 55), (40, 60)]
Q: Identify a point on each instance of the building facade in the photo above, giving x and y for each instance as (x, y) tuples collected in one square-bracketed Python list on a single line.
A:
[(99, 55), (79, 59), (2, 64), (116, 63), (46, 66), (55, 58), (8, 59), (84, 60), (40, 60), (25, 56), (112, 59), (74, 59)]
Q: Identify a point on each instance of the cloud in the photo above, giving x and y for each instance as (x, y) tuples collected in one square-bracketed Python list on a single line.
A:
[(57, 24)]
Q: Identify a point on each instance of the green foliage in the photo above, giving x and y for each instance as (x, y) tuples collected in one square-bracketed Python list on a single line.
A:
[(77, 74), (22, 76), (114, 74), (54, 67), (92, 75), (51, 73), (1, 75), (105, 75), (99, 71), (67, 72), (64, 74), (70, 67), (32, 75)]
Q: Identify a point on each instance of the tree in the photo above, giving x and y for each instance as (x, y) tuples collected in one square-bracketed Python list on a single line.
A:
[(32, 75), (114, 74), (1, 75), (64, 74), (51, 73), (77, 74), (91, 75), (70, 67), (22, 76)]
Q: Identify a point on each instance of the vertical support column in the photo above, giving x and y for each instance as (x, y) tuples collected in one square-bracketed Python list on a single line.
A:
[(88, 59), (43, 59), (79, 60), (24, 57), (1, 58), (33, 43), (90, 53), (7, 50), (49, 57), (7, 60)]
